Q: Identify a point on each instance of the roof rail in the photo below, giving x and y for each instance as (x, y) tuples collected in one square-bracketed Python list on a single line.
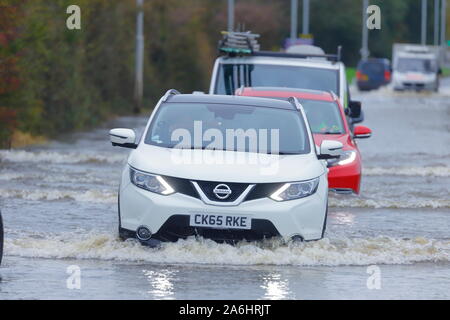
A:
[(334, 95), (169, 93), (293, 101), (332, 57)]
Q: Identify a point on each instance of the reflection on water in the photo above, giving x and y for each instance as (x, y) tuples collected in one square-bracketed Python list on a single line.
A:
[(344, 218), (161, 283), (276, 288)]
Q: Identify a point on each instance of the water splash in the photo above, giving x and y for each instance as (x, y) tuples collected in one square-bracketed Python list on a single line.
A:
[(437, 171), (326, 252), (22, 156), (359, 202), (95, 196)]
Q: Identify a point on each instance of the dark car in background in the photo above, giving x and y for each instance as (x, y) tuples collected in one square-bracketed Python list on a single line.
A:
[(373, 73)]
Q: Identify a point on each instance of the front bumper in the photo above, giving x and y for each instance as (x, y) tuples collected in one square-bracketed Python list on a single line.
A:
[(417, 86), (342, 178), (167, 217)]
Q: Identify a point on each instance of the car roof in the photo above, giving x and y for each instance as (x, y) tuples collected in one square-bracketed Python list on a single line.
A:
[(231, 100), (374, 60), (288, 92), (284, 61)]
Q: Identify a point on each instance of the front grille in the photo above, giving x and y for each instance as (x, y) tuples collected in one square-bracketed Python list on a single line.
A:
[(185, 186), (182, 186), (177, 227), (236, 190), (414, 85)]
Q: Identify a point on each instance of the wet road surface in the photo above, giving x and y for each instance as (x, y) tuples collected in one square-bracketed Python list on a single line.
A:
[(59, 203)]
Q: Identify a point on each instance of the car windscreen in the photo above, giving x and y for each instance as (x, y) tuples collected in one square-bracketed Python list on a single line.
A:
[(324, 117), (416, 65), (233, 76), (239, 127)]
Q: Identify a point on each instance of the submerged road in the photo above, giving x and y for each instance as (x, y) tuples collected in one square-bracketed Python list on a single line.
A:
[(59, 203)]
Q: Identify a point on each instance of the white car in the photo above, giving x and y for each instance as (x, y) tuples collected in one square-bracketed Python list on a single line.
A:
[(267, 179)]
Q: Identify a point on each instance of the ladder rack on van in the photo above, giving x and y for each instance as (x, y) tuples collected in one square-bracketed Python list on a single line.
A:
[(239, 42), (246, 43)]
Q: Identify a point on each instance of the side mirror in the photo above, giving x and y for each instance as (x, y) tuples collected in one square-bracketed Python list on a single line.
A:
[(330, 149), (440, 71), (355, 108), (125, 138), (356, 114), (362, 132)]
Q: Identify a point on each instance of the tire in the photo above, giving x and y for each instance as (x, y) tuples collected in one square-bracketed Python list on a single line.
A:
[(1, 238)]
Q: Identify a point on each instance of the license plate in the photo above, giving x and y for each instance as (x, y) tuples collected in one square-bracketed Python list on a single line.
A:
[(415, 77), (220, 221)]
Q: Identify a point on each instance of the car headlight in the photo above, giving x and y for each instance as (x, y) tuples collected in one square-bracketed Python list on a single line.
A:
[(150, 182), (346, 157), (295, 190)]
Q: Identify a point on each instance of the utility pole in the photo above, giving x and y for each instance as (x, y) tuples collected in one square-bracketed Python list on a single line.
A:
[(305, 17), (436, 22), (443, 23), (230, 15), (424, 23), (294, 19), (365, 32), (139, 81)]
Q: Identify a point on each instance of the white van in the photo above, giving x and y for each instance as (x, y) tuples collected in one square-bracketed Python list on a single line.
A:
[(296, 68), (415, 68)]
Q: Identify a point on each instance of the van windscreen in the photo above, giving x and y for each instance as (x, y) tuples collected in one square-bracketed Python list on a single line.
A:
[(233, 76)]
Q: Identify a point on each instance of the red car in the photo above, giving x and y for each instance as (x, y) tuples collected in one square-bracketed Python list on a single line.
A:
[(328, 121)]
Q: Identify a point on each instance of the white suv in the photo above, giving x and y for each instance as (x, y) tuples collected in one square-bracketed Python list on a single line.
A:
[(226, 168)]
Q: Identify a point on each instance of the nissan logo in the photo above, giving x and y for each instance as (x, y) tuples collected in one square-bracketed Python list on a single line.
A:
[(222, 191)]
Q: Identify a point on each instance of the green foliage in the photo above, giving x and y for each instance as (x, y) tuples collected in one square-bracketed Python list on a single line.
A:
[(351, 74), (72, 79), (446, 72)]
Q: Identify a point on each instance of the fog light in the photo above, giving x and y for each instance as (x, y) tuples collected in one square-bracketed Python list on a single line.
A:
[(297, 239), (143, 233)]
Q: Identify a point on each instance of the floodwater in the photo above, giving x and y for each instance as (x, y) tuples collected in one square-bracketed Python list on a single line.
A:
[(59, 203)]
